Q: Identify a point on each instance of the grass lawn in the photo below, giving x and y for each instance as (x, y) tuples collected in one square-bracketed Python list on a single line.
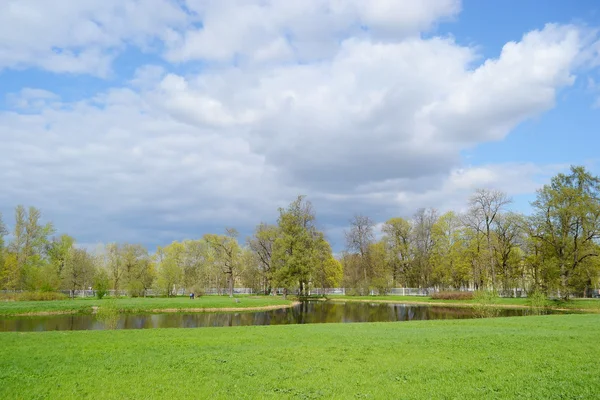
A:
[(592, 305), (148, 304), (544, 357)]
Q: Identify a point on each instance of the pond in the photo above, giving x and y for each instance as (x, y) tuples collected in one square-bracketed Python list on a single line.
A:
[(307, 312)]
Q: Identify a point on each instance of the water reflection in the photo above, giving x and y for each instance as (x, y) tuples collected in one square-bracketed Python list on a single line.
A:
[(308, 312)]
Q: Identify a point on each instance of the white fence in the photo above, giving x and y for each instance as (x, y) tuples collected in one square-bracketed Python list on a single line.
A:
[(311, 292), (372, 292)]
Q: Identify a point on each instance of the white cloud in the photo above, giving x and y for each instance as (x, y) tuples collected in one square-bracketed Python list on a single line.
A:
[(341, 100), (80, 36), (263, 30)]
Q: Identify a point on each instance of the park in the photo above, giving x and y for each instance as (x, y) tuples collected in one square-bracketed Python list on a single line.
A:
[(534, 356), (299, 199)]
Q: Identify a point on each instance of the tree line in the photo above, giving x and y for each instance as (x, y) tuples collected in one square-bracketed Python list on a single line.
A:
[(553, 250)]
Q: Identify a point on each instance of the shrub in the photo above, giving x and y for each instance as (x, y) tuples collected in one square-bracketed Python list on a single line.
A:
[(108, 313), (537, 302), (101, 283), (40, 296), (453, 296), (485, 304), (136, 289), (198, 291)]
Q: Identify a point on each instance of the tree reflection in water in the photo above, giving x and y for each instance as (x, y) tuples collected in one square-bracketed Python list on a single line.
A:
[(308, 312)]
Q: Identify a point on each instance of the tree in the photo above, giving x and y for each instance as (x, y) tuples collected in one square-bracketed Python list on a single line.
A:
[(79, 270), (168, 261), (60, 252), (423, 222), (294, 249), (507, 232), (227, 254), (449, 252), (261, 243), (327, 271), (136, 269), (359, 239), (29, 241), (567, 217), (397, 239), (3, 272), (115, 266), (487, 204)]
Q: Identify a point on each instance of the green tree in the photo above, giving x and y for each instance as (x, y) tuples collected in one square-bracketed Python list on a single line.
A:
[(59, 251), (169, 270), (359, 239), (294, 250), (136, 272), (3, 272), (261, 243), (422, 240), (227, 254), (28, 244), (397, 239), (450, 266), (487, 204), (567, 215), (508, 232), (327, 271), (79, 271)]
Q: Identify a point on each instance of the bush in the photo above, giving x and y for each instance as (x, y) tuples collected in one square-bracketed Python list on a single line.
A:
[(136, 289), (101, 283), (198, 291), (41, 296), (33, 296), (485, 304), (453, 296), (108, 313), (537, 302)]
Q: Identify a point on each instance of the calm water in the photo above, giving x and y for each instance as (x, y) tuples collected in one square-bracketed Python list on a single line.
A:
[(308, 312)]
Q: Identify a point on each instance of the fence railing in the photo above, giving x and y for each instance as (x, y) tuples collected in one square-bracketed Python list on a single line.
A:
[(312, 292)]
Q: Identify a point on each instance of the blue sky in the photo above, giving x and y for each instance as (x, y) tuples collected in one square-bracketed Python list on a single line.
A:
[(157, 120)]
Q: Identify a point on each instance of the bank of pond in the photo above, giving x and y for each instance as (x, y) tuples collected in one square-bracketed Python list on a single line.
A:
[(305, 312)]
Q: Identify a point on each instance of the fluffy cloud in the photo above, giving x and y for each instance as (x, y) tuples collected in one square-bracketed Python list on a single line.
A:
[(341, 100), (81, 36)]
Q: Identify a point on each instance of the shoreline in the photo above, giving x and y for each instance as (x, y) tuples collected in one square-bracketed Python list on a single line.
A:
[(464, 305), (171, 310)]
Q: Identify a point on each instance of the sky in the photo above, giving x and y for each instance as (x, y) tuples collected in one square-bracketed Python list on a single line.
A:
[(149, 121)]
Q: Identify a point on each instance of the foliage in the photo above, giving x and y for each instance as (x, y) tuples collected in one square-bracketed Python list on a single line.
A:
[(33, 296), (101, 283), (108, 313), (486, 302), (453, 296), (537, 301), (556, 250)]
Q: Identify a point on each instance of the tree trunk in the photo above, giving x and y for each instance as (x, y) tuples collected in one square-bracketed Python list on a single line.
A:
[(230, 278)]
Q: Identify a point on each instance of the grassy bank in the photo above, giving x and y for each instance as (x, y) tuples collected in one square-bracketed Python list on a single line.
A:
[(591, 305), (546, 357), (133, 305)]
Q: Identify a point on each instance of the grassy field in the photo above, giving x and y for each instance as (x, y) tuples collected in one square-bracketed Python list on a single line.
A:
[(545, 357), (592, 305), (81, 305)]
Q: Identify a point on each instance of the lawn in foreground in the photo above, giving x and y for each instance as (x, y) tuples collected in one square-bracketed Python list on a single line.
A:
[(139, 304), (543, 357)]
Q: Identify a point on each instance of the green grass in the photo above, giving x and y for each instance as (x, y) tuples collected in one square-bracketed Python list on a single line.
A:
[(576, 304), (134, 305), (543, 357)]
